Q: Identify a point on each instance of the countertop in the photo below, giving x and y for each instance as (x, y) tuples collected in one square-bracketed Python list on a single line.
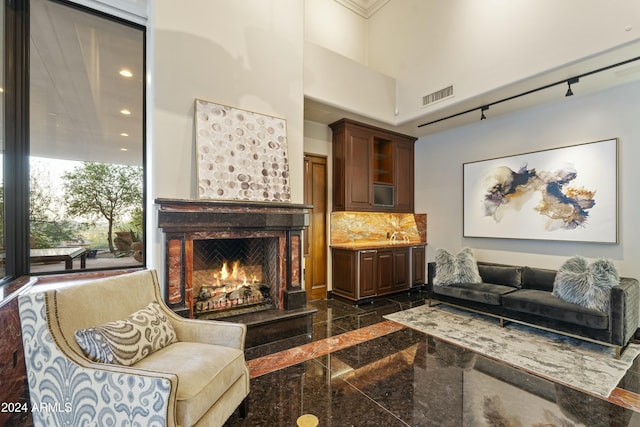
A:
[(368, 245)]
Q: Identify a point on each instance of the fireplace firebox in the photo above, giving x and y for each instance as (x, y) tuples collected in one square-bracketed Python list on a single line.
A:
[(224, 257), (234, 275)]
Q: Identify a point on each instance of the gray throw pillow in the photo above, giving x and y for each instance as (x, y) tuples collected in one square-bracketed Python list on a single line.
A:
[(587, 285), (459, 268)]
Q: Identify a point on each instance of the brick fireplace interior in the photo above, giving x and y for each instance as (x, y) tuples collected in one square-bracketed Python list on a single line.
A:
[(235, 275)]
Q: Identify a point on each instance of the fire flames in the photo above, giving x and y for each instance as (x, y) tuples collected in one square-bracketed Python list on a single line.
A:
[(236, 278), (233, 285)]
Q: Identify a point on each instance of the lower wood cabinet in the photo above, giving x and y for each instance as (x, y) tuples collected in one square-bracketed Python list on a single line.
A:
[(362, 274)]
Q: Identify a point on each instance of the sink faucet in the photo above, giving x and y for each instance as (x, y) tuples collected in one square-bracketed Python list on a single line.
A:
[(396, 235)]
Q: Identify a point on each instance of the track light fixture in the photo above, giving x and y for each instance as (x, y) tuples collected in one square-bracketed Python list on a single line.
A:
[(571, 81), (482, 110)]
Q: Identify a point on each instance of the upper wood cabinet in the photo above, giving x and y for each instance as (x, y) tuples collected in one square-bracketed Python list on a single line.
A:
[(372, 168)]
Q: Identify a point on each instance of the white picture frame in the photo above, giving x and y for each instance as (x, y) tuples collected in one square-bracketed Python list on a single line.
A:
[(240, 154), (564, 194)]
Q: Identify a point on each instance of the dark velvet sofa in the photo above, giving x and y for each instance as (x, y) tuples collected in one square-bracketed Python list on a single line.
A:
[(524, 294)]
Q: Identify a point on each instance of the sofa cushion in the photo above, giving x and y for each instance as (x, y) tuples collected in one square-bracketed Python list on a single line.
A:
[(588, 285), (538, 278), (501, 275), (125, 342), (459, 268), (543, 303), (486, 293), (211, 371)]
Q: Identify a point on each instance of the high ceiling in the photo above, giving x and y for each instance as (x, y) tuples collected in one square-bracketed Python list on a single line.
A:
[(364, 8), (593, 82), (77, 93)]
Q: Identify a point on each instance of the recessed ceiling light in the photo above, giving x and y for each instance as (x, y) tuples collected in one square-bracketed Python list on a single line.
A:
[(1, 89), (125, 112), (124, 134), (124, 149), (126, 73)]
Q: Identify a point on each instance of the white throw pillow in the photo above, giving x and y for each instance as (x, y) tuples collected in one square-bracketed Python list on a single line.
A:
[(459, 268), (587, 285)]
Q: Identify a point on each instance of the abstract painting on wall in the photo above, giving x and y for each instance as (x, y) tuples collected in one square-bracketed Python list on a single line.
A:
[(567, 194), (241, 155)]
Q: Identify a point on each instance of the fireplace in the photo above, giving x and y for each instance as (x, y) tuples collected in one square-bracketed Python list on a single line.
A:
[(225, 258), (234, 276)]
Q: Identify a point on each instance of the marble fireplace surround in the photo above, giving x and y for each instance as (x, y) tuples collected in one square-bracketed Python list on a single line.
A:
[(184, 221)]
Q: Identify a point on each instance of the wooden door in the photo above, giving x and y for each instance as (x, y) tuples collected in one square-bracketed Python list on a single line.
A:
[(315, 236), (367, 281), (358, 176), (401, 269), (384, 271), (419, 276), (344, 273)]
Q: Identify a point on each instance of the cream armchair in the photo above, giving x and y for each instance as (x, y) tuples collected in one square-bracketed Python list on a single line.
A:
[(196, 376)]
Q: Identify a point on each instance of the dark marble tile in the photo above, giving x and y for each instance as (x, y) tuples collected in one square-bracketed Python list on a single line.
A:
[(405, 378), (322, 330), (331, 309), (279, 398)]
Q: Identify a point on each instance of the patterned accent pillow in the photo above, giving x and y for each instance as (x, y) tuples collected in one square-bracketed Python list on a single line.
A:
[(459, 268), (125, 342), (587, 285)]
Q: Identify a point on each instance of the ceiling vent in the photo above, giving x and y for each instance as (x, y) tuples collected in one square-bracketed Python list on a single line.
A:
[(437, 96)]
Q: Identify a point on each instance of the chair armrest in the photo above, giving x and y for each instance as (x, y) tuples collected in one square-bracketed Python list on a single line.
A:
[(102, 394), (624, 314), (228, 334)]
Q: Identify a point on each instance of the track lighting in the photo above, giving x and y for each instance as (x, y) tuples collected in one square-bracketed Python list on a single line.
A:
[(482, 110), (571, 81)]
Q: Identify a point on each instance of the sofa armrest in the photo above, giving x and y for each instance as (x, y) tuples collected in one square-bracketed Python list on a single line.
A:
[(624, 314), (228, 334)]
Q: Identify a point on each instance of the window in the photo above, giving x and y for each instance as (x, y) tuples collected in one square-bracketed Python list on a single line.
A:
[(3, 272), (80, 196)]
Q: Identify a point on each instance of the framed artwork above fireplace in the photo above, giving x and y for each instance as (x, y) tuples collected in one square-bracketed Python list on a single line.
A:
[(241, 155)]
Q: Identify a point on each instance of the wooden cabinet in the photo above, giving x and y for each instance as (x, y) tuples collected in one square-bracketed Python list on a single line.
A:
[(404, 176), (418, 265), (345, 280), (372, 168), (362, 274), (368, 274), (384, 264)]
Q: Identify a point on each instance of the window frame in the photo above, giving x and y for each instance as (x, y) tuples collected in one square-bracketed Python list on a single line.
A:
[(17, 140)]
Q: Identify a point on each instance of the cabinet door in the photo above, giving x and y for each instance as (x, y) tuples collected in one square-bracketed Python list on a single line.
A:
[(401, 270), (367, 274), (385, 272), (418, 274), (344, 273), (403, 176), (339, 168), (358, 172)]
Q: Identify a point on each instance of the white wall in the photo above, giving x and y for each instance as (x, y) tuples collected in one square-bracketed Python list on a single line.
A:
[(329, 24), (480, 46), (243, 53), (336, 80), (579, 119)]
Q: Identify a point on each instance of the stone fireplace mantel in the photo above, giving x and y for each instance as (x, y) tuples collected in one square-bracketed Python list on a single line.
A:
[(185, 221)]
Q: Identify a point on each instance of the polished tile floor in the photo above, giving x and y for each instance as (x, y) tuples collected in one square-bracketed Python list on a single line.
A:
[(361, 370)]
